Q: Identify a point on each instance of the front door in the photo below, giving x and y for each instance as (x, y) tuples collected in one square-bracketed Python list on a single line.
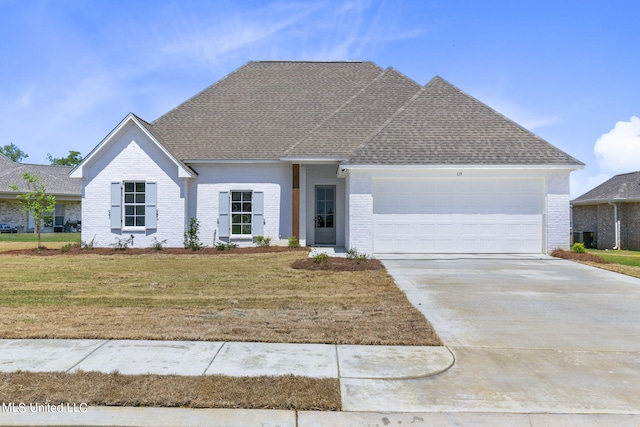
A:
[(325, 218)]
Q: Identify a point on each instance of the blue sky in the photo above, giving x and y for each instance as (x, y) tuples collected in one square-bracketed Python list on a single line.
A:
[(566, 70)]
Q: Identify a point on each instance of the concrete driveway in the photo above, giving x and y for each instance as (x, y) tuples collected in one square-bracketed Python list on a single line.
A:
[(529, 336)]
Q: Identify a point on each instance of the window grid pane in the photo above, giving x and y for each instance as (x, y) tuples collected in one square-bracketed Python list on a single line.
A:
[(241, 209), (134, 204)]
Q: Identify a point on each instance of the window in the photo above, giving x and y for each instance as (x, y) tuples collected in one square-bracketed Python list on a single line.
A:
[(241, 213), (134, 204)]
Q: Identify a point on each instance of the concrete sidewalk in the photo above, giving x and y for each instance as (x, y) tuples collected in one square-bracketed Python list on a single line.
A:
[(165, 417), (193, 358)]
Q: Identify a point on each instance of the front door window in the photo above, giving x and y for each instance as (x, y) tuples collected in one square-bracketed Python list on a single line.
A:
[(325, 232)]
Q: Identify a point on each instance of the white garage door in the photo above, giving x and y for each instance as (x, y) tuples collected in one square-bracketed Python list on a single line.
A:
[(458, 215)]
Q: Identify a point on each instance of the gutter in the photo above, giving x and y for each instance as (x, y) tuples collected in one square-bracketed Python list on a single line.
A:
[(616, 224)]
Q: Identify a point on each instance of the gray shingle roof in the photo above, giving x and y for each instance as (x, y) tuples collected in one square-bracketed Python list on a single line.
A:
[(359, 118), (274, 109), (621, 187), (56, 178), (261, 109), (443, 125)]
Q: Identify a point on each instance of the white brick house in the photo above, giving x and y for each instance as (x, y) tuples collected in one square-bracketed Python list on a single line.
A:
[(336, 153)]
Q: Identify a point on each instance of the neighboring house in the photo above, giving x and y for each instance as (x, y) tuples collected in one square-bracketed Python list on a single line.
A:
[(336, 153), (58, 184), (610, 214)]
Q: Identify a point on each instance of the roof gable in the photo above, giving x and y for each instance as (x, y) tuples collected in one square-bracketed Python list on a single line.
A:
[(131, 120), (624, 187), (262, 109), (444, 126)]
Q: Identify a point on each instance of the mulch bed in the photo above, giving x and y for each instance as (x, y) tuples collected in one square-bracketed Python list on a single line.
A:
[(77, 250), (337, 264), (574, 256)]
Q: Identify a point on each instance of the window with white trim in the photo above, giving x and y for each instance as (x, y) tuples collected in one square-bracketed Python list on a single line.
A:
[(134, 204), (241, 213)]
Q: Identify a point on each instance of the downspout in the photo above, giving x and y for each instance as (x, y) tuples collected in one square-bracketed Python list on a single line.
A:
[(616, 224)]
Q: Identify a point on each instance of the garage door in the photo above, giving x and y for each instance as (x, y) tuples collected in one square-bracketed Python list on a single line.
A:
[(458, 216)]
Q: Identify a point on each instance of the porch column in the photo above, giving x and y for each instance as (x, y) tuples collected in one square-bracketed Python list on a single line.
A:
[(295, 193)]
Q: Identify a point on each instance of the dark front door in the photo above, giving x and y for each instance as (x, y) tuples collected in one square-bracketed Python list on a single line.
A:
[(325, 215)]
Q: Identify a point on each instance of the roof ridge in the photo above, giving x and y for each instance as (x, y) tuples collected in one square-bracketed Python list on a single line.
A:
[(334, 113), (388, 121), (314, 61)]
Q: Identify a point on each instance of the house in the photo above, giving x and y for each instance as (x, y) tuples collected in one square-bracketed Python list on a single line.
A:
[(608, 217), (58, 183), (335, 153)]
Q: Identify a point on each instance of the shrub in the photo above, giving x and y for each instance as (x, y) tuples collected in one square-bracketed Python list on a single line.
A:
[(222, 246), (191, 239), (158, 245), (88, 245), (356, 256), (262, 241), (66, 248), (321, 258), (122, 243), (578, 248), (293, 242)]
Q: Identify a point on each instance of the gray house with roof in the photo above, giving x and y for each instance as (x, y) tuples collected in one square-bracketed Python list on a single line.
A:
[(610, 213), (58, 183), (341, 154)]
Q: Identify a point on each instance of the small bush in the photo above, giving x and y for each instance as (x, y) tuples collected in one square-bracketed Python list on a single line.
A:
[(158, 245), (66, 248), (321, 258), (578, 248), (222, 246), (88, 245), (191, 239), (356, 256), (293, 242), (122, 244), (262, 241)]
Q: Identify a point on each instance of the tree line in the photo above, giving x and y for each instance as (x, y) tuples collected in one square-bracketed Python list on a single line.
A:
[(13, 152)]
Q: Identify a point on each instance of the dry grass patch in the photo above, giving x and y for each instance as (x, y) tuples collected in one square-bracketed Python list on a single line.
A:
[(98, 389), (248, 297)]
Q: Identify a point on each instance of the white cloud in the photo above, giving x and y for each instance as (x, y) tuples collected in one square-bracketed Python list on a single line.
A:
[(618, 151)]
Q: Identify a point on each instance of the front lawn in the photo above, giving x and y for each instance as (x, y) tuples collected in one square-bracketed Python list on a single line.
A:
[(15, 241), (631, 258), (623, 262), (214, 297)]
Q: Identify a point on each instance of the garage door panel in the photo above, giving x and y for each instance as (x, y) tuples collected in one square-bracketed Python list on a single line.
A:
[(484, 216)]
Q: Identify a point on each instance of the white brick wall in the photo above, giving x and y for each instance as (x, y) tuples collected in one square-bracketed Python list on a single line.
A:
[(131, 156), (273, 179), (360, 216), (558, 210)]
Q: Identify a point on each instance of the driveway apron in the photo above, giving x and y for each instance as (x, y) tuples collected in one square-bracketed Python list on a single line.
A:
[(530, 336)]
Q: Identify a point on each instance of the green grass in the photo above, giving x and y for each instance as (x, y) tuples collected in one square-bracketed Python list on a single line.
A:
[(45, 237), (630, 258)]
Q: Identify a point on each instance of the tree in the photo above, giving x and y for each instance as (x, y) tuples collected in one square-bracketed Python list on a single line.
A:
[(13, 152), (36, 202), (72, 159)]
